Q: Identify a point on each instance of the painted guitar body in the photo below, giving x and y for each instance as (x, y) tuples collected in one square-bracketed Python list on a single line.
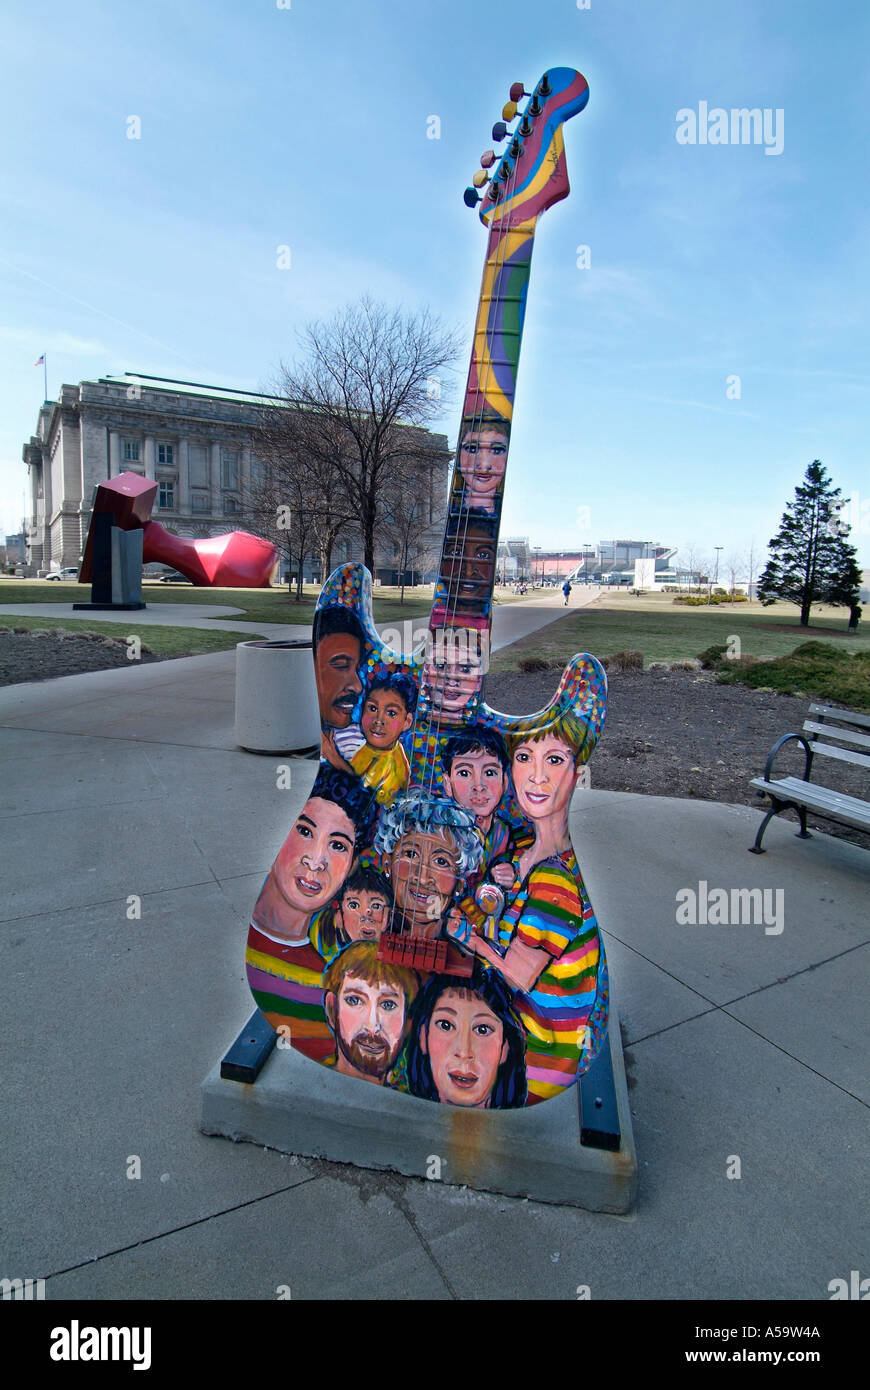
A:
[(425, 925)]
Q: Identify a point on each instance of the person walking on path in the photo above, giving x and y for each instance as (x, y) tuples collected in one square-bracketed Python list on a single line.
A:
[(566, 590)]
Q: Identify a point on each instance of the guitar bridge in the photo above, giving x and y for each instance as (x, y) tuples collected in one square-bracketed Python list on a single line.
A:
[(425, 956)]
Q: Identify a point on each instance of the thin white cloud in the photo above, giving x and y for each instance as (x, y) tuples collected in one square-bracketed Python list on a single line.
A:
[(68, 344)]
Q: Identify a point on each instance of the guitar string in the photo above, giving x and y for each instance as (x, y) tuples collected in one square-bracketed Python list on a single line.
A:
[(468, 424)]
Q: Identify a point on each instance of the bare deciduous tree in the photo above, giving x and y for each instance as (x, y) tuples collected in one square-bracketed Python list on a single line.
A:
[(751, 567), (355, 409), (405, 522), (734, 568), (694, 563)]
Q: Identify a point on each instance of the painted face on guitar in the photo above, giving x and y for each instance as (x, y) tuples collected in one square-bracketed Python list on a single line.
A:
[(314, 860), (384, 717), (482, 463), (369, 1022), (424, 871), (366, 1004), (453, 673), (362, 915), (466, 1046), (338, 684), (476, 781), (468, 568), (544, 776)]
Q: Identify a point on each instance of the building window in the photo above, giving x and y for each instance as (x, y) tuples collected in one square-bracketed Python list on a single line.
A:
[(259, 473), (131, 450), (231, 506), (229, 468), (167, 495), (197, 461), (200, 502), (165, 454)]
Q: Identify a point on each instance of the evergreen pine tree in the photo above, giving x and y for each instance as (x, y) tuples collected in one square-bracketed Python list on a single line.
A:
[(811, 561)]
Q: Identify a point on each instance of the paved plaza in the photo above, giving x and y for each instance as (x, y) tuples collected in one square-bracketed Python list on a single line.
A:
[(746, 1046)]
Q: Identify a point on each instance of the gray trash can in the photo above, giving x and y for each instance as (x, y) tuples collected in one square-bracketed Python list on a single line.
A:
[(276, 697)]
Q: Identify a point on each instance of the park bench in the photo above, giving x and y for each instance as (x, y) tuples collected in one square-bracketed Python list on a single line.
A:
[(801, 794)]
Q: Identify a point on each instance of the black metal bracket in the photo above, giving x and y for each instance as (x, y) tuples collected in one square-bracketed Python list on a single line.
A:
[(599, 1115), (246, 1057)]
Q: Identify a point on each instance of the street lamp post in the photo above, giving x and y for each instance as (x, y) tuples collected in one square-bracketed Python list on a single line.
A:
[(717, 548)]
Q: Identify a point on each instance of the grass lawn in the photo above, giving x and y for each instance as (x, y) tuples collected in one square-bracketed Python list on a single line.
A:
[(665, 631), (164, 641), (257, 605)]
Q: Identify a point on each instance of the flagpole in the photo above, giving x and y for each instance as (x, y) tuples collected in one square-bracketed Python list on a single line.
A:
[(45, 374)]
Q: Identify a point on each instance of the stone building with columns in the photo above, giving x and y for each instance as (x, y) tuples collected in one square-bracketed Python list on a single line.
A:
[(197, 443)]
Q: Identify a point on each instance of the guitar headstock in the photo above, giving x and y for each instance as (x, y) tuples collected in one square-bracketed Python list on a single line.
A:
[(531, 175)]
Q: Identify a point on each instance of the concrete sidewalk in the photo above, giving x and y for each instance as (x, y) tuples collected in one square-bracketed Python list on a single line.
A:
[(742, 1044)]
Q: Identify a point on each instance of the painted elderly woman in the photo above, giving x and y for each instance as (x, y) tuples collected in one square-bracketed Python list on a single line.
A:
[(546, 945), (428, 845)]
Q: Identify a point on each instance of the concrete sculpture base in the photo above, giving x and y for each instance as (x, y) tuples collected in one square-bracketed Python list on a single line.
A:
[(299, 1107)]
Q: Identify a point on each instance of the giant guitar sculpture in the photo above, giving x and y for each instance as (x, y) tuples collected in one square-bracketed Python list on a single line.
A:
[(425, 925)]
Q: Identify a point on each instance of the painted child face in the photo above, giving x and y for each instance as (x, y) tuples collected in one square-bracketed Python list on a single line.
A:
[(362, 915), (544, 776), (453, 673), (424, 873), (384, 717), (476, 781), (466, 1046), (369, 1024), (482, 463), (315, 859), (338, 683)]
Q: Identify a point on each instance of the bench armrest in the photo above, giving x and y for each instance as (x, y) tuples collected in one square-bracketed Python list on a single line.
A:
[(786, 738)]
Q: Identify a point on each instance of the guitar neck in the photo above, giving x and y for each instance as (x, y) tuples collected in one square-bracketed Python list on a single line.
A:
[(463, 596), (530, 177)]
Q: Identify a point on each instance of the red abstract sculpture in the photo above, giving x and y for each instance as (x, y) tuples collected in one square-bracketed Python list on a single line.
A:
[(236, 560)]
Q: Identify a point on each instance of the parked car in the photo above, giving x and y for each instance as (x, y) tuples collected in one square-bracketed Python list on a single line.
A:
[(71, 572), (174, 577)]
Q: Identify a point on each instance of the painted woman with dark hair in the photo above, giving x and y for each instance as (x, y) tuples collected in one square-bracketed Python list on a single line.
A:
[(467, 1044)]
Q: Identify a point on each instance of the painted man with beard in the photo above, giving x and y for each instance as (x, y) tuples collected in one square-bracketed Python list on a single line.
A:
[(367, 1002)]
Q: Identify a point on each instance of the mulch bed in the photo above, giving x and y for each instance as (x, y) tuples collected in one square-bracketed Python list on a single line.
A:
[(38, 654), (681, 733), (667, 733)]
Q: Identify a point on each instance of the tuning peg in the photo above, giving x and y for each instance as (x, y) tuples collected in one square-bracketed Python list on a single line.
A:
[(487, 159), (517, 91), (479, 178), (499, 131), (509, 110), (524, 127), (471, 197)]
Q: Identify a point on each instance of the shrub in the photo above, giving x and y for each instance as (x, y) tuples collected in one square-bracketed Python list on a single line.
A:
[(713, 656), (627, 661), (702, 600)]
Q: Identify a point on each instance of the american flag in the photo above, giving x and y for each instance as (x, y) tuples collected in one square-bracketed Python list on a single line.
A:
[(40, 361)]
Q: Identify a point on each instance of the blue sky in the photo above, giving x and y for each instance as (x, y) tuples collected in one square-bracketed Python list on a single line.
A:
[(306, 127)]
